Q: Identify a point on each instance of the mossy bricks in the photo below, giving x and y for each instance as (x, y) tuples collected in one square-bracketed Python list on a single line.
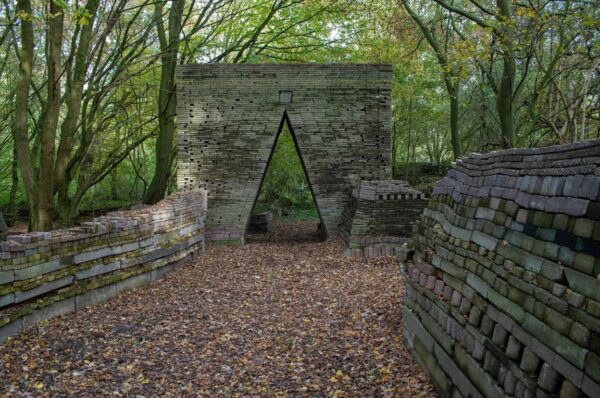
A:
[(229, 116), (47, 274), (516, 235)]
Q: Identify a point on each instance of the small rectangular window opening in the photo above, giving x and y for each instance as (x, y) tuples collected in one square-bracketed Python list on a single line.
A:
[(285, 96)]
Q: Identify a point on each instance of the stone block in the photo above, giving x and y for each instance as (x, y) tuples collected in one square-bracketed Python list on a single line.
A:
[(475, 316), (510, 382), (579, 334), (439, 287), (430, 282), (575, 299), (456, 298), (96, 296), (21, 296), (97, 270), (491, 364), (569, 390), (529, 361), (513, 348), (133, 282), (584, 227), (551, 338), (583, 284), (6, 277), (499, 335), (465, 306), (592, 366), (59, 308), (12, 328), (487, 325), (7, 299), (584, 263), (92, 255), (478, 350), (447, 293), (37, 270), (549, 379), (590, 387)]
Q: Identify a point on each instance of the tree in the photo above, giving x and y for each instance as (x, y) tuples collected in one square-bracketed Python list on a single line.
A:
[(451, 76), (215, 19), (502, 28), (91, 72), (3, 228)]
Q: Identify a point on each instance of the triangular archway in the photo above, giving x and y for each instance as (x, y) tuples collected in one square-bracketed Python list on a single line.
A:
[(285, 180)]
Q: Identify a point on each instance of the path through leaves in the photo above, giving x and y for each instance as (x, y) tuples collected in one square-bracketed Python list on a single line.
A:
[(286, 318)]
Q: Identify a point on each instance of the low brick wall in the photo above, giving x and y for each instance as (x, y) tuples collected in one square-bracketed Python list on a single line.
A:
[(504, 295), (51, 273), (380, 218)]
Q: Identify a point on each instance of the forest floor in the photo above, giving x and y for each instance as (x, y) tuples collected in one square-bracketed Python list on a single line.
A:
[(283, 316)]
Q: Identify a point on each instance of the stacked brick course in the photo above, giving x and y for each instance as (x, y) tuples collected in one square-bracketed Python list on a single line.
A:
[(51, 273), (380, 218), (504, 295), (229, 116)]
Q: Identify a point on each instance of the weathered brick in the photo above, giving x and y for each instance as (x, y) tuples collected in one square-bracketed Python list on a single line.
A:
[(529, 361), (548, 379)]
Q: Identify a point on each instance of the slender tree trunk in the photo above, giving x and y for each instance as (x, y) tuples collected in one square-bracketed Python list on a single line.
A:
[(45, 202), (453, 90), (63, 176), (451, 78), (20, 127), (114, 185), (166, 100), (3, 228), (504, 97), (408, 138), (504, 108), (14, 187)]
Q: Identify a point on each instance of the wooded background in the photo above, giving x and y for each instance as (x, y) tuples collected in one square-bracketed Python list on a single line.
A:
[(87, 88)]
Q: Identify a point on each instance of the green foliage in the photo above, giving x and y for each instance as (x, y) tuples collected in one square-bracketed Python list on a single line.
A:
[(556, 92), (285, 187)]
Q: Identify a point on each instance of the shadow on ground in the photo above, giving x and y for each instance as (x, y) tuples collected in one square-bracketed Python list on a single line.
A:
[(288, 232)]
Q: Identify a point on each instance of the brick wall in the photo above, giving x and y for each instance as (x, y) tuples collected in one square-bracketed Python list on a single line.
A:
[(380, 218), (51, 273), (504, 295), (229, 115)]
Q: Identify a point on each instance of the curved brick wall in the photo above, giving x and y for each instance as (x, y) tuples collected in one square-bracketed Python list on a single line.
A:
[(51, 273), (504, 295)]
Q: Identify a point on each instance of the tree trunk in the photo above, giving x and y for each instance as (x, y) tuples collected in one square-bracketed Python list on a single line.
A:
[(20, 127), (45, 202), (14, 188), (63, 176), (3, 228), (504, 97), (454, 130), (504, 107), (451, 78), (166, 100)]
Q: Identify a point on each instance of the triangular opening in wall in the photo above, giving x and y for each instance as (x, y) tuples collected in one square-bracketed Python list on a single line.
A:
[(285, 208)]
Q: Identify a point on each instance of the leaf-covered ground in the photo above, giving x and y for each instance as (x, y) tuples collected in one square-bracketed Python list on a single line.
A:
[(286, 318)]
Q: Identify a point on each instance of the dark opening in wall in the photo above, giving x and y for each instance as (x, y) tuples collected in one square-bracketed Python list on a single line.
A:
[(285, 195)]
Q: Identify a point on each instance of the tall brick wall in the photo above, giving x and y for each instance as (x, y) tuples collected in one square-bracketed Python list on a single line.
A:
[(504, 295), (229, 116), (51, 273)]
